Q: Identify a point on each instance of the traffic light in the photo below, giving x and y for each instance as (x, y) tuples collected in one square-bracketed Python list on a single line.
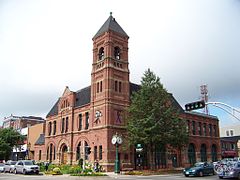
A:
[(88, 150), (195, 105)]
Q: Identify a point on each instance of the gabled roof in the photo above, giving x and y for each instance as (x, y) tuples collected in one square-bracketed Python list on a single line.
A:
[(40, 140), (83, 97), (111, 25)]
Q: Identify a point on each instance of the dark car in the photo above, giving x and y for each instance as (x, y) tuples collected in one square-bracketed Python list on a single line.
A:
[(231, 171), (199, 169)]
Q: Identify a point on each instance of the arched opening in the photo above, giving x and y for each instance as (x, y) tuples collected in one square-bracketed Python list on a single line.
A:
[(214, 152), (78, 155), (191, 154), (203, 153), (64, 154), (101, 53), (85, 149), (117, 53)]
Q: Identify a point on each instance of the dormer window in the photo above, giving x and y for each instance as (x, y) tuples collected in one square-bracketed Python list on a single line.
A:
[(117, 53), (101, 53)]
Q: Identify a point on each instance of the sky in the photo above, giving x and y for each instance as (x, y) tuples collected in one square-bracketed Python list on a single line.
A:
[(47, 45)]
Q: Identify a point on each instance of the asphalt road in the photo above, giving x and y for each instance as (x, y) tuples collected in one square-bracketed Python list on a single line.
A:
[(109, 177)]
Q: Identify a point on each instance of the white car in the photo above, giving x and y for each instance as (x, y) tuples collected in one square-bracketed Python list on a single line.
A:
[(9, 166), (26, 166), (1, 167)]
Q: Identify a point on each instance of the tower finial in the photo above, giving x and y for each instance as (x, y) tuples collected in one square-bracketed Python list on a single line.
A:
[(110, 13)]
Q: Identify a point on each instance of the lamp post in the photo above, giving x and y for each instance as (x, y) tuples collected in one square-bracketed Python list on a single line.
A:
[(117, 140)]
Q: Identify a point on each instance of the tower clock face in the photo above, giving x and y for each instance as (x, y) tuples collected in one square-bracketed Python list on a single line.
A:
[(114, 140)]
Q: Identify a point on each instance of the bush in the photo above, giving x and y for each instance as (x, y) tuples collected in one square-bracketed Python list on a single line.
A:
[(56, 171)]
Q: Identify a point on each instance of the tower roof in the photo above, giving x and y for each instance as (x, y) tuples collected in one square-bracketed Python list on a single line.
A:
[(110, 25)]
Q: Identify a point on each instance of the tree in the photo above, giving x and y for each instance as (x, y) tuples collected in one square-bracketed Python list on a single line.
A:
[(152, 118), (8, 139)]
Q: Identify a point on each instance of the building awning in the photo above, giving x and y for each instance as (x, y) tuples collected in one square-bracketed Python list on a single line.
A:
[(229, 153)]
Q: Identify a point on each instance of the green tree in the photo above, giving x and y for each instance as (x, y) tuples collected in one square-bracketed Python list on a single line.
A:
[(8, 139), (153, 120)]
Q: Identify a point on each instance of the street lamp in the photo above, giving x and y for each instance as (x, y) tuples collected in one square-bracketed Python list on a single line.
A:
[(117, 140)]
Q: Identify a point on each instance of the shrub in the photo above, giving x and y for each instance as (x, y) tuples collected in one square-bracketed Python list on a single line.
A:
[(56, 171)]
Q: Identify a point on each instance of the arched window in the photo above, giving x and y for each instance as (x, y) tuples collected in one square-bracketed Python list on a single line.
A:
[(54, 127), (66, 129), (49, 128), (51, 152), (203, 153), (191, 154), (117, 53), (214, 153), (85, 148), (101, 53), (63, 123), (78, 155)]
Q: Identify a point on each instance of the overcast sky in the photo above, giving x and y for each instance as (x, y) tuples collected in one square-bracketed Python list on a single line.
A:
[(47, 45)]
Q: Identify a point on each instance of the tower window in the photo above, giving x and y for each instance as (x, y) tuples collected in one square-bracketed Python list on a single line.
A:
[(101, 53), (117, 53), (120, 86), (100, 86), (116, 86), (97, 87)]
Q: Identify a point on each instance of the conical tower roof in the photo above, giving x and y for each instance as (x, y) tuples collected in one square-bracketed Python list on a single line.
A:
[(110, 25)]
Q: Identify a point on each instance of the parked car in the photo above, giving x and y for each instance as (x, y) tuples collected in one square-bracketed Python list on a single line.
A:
[(26, 166), (199, 169), (9, 166), (1, 167), (231, 171)]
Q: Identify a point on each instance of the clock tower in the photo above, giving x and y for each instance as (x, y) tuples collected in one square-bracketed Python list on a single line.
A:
[(110, 75)]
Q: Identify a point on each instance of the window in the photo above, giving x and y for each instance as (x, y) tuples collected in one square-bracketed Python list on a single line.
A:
[(193, 128), (95, 152), (227, 133), (49, 128), (66, 130), (85, 150), (116, 86), (78, 156), (231, 132), (100, 86), (80, 122), (40, 155), (188, 126), (200, 128), (54, 127), (120, 86), (117, 53), (100, 152), (63, 122), (205, 129), (210, 130), (101, 53), (97, 87), (87, 120), (215, 130)]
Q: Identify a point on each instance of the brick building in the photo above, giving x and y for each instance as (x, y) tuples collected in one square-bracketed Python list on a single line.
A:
[(91, 116)]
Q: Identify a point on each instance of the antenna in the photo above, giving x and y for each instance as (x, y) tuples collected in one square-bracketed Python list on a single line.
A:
[(204, 97)]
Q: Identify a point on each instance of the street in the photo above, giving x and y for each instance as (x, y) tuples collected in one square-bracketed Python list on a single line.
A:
[(110, 176)]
